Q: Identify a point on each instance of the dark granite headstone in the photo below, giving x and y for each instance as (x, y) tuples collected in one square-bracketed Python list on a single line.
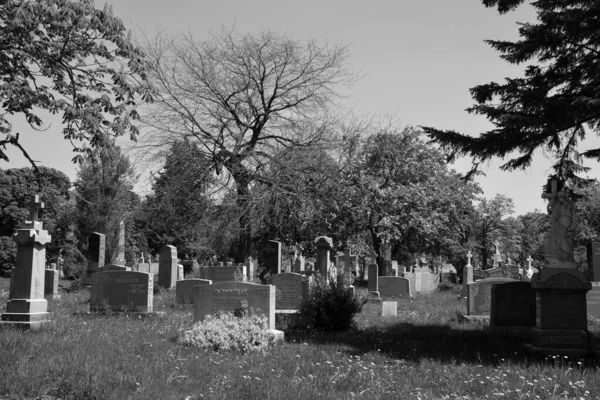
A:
[(269, 257), (479, 295), (513, 304)]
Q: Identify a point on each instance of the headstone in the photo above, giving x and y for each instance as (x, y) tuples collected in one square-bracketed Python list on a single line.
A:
[(496, 255), (395, 268), (122, 291), (113, 267), (51, 283), (299, 264), (251, 268), (290, 289), (373, 281), (167, 268), (389, 308), (96, 252), (479, 295), (593, 257), (180, 274), (26, 306), (227, 296), (495, 272), (561, 323), (269, 257), (185, 290), (513, 305), (189, 266), (223, 274), (428, 282), (593, 300), (324, 246), (121, 249), (350, 260), (394, 286), (467, 275)]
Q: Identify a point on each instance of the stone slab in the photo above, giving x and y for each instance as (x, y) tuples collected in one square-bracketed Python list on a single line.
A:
[(290, 289), (373, 278), (389, 308), (122, 290), (593, 300), (185, 290), (513, 304), (223, 274), (479, 295), (394, 286), (167, 269), (227, 296)]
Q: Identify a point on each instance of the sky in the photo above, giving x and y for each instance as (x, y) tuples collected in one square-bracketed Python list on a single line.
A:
[(417, 59)]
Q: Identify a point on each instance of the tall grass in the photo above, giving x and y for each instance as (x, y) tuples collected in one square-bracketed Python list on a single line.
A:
[(424, 353)]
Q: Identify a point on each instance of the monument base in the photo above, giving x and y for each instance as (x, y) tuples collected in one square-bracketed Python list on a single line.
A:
[(31, 321), (561, 312), (374, 294), (278, 336)]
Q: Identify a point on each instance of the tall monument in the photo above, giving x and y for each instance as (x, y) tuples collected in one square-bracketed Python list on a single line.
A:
[(561, 320), (26, 306)]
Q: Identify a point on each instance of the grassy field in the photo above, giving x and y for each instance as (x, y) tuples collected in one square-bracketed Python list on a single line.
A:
[(423, 354)]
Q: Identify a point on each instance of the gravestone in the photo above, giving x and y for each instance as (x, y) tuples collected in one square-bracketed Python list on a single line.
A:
[(121, 248), (223, 274), (429, 282), (290, 289), (250, 268), (190, 266), (185, 290), (389, 309), (593, 257), (479, 295), (299, 264), (113, 267), (180, 274), (51, 284), (373, 280), (495, 272), (269, 257), (350, 261), (394, 286), (26, 306), (167, 267), (96, 252), (324, 246), (395, 268), (561, 319), (122, 291), (513, 305), (227, 296), (593, 300)]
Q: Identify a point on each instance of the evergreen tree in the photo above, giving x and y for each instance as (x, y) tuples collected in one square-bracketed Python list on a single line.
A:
[(105, 197), (553, 106)]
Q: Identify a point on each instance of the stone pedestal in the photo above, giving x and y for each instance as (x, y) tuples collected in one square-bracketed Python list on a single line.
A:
[(324, 246), (167, 267), (26, 306), (561, 312)]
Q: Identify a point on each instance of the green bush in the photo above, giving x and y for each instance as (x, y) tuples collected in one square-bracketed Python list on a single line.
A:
[(225, 331), (8, 255), (331, 306)]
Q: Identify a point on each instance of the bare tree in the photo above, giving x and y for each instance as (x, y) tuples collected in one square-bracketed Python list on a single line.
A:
[(244, 98)]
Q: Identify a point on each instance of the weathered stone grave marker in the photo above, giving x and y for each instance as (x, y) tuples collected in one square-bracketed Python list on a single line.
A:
[(269, 257), (26, 306), (513, 305), (290, 289), (227, 296), (167, 267), (185, 290), (389, 309), (479, 295), (122, 291), (373, 280), (394, 286)]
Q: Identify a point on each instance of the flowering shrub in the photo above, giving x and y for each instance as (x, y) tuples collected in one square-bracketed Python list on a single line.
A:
[(331, 305), (235, 330)]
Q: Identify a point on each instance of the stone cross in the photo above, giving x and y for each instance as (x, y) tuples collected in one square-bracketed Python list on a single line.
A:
[(529, 260), (324, 227), (142, 258), (553, 189), (34, 206), (469, 255), (497, 244)]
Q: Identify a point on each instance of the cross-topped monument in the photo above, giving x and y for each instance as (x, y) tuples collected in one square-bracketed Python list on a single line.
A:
[(496, 254), (469, 255), (35, 205), (529, 260), (324, 227)]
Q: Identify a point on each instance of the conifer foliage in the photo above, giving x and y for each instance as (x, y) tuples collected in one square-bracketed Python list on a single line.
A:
[(553, 106)]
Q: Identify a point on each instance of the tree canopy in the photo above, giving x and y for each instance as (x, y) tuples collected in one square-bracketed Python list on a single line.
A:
[(554, 106), (67, 57)]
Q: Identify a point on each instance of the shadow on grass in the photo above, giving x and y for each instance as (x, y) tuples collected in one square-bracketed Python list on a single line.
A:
[(455, 344)]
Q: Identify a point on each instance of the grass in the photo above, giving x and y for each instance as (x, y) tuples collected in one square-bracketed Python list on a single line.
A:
[(424, 353)]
